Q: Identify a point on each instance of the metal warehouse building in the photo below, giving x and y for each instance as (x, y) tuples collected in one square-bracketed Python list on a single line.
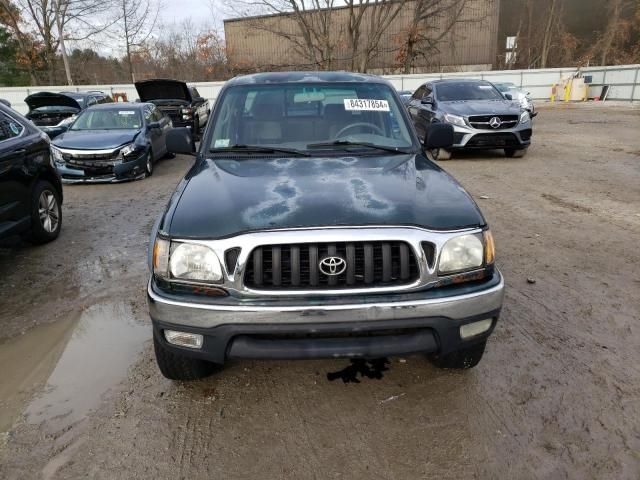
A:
[(272, 42)]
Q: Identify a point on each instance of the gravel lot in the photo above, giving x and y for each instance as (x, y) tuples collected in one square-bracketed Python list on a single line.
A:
[(556, 396)]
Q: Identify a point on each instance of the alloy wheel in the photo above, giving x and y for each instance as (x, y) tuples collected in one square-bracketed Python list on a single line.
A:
[(48, 211)]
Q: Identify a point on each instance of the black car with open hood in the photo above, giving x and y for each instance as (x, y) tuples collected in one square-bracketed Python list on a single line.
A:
[(181, 103), (54, 112), (314, 224)]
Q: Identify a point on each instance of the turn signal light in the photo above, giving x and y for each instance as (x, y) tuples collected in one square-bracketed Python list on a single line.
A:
[(489, 248)]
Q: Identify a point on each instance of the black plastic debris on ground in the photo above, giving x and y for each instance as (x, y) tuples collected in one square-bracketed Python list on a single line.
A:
[(364, 368)]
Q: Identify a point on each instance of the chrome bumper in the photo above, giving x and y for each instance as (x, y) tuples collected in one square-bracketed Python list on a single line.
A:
[(208, 315)]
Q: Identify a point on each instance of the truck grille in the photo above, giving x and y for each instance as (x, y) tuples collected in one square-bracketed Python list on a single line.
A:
[(482, 122), (367, 265)]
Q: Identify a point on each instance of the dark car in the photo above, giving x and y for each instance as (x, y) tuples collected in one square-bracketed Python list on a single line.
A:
[(30, 188), (54, 112), (313, 225), (112, 143), (181, 103), (482, 118), (6, 103)]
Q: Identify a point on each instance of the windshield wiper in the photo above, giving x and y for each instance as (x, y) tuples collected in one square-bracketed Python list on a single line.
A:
[(259, 149), (346, 143)]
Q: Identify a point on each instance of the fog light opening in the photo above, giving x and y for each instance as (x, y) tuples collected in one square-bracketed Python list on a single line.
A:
[(476, 328), (184, 339)]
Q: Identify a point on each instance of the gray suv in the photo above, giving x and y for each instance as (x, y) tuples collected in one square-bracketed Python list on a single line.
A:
[(483, 118)]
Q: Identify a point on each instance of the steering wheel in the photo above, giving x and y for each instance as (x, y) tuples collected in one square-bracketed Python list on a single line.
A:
[(372, 126)]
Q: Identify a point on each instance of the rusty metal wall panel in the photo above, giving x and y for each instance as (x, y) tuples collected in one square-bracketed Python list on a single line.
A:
[(252, 43)]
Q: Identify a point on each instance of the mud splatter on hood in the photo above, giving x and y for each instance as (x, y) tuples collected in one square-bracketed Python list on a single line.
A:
[(225, 197)]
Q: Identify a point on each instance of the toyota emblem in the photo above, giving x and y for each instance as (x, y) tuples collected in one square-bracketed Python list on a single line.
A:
[(332, 266), (495, 122)]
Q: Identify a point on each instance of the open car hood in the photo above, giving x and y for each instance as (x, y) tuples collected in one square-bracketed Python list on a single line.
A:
[(50, 99), (162, 89)]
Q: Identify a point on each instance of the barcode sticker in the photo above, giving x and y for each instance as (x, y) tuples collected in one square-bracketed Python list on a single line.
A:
[(366, 104)]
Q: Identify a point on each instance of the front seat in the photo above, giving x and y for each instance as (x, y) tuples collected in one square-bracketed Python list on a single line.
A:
[(266, 124)]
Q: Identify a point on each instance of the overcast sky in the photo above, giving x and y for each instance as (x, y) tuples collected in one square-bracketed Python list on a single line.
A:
[(197, 10)]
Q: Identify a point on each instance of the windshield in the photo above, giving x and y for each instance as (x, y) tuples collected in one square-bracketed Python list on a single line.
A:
[(506, 87), (460, 91), (120, 119), (297, 116)]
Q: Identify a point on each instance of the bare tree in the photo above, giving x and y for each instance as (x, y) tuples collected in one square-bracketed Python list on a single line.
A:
[(431, 22), (314, 37), (552, 19), (10, 17), (368, 21), (138, 20), (52, 21)]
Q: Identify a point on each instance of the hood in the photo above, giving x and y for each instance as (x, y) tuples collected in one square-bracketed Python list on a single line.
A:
[(160, 89), (95, 139), (226, 197), (481, 107), (50, 99)]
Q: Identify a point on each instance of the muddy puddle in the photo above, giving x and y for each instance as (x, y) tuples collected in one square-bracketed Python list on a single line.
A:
[(57, 373)]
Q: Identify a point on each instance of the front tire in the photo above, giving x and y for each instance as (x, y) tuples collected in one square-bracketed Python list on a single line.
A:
[(442, 154), (46, 214), (148, 166), (179, 367), (515, 153), (461, 359)]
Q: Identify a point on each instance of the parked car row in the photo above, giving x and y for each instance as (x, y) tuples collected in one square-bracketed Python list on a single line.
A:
[(483, 115), (84, 137)]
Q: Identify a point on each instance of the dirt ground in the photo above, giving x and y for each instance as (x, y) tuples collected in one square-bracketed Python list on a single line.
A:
[(557, 394)]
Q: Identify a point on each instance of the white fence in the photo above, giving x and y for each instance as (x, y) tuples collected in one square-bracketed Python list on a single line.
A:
[(624, 82)]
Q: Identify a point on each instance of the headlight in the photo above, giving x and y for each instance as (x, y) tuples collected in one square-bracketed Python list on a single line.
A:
[(461, 253), (130, 150), (524, 117), (195, 263), (67, 121), (186, 111), (454, 119), (56, 155)]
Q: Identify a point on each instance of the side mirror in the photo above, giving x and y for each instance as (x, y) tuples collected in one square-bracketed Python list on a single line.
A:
[(439, 135), (153, 125), (179, 141), (508, 96), (428, 100)]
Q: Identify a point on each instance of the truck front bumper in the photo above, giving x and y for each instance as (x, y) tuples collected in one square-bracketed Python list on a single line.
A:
[(368, 326)]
